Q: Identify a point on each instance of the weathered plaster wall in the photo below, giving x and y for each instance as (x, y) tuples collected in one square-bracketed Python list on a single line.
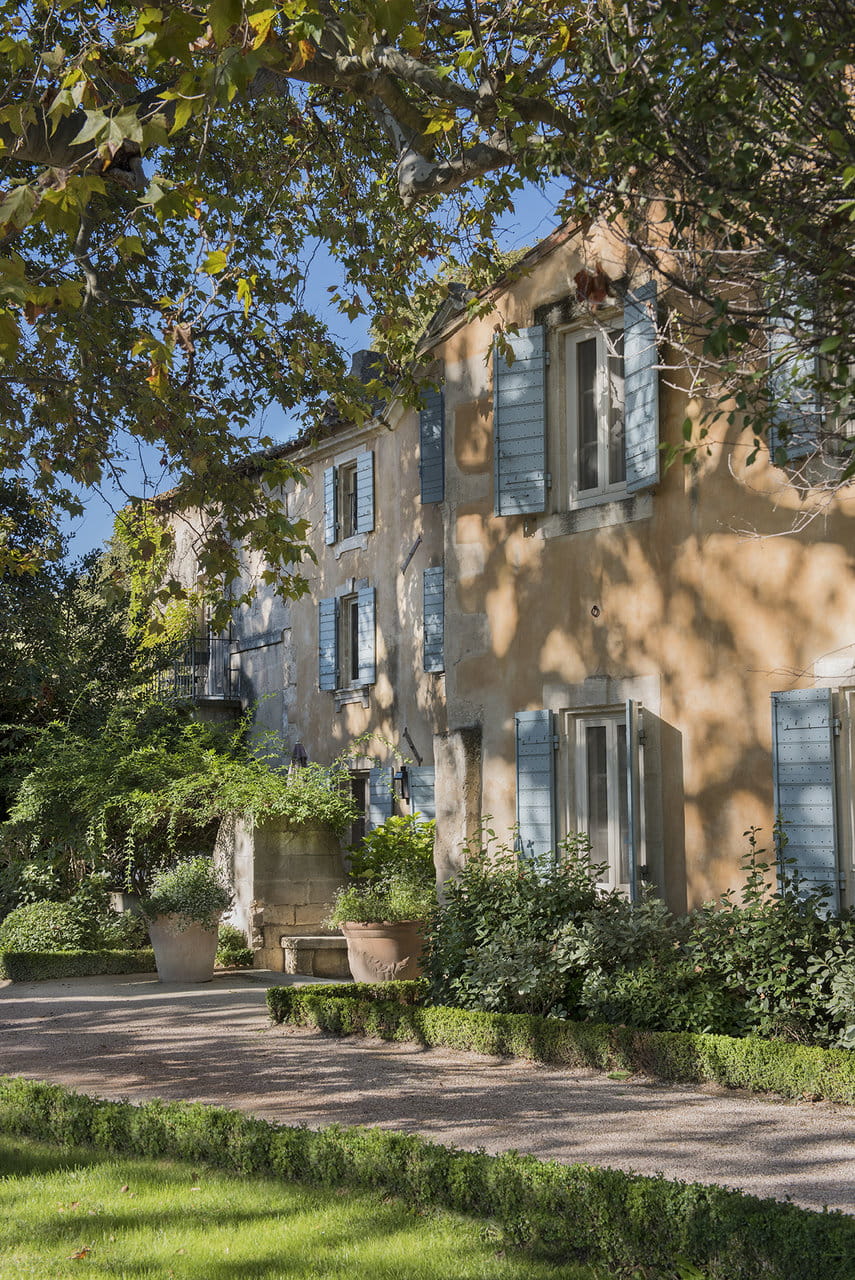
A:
[(701, 599)]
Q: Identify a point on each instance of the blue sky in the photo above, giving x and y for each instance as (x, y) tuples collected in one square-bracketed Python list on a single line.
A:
[(533, 219)]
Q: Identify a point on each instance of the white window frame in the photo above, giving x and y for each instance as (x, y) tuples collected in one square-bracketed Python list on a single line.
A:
[(346, 510), (576, 725), (347, 641), (605, 337)]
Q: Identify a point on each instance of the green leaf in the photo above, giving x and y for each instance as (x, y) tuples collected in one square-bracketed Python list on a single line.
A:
[(216, 262), (223, 15)]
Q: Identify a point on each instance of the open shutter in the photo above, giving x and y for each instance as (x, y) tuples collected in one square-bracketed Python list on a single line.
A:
[(434, 618), (327, 644), (796, 411), (330, 521), (422, 790), (803, 764), (432, 446), (636, 854), (380, 797), (366, 647), (535, 783), (364, 492), (641, 388), (519, 425)]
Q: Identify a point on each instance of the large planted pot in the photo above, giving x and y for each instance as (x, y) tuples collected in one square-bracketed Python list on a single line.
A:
[(384, 952), (183, 954)]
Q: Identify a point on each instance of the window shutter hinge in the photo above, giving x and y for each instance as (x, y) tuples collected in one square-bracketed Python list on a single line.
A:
[(642, 737), (835, 725), (546, 358), (549, 479), (555, 742)]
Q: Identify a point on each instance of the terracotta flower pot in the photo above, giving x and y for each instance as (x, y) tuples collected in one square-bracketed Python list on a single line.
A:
[(384, 952), (182, 955)]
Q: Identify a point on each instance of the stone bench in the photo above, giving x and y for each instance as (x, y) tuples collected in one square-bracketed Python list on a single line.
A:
[(323, 956)]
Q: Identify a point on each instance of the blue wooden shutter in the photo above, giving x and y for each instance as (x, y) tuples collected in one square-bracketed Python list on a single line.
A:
[(519, 425), (364, 492), (380, 797), (432, 446), (365, 642), (535, 783), (327, 644), (434, 618), (330, 520), (796, 411), (803, 765), (422, 790), (641, 388)]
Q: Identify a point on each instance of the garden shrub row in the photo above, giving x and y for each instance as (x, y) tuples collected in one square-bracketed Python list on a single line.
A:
[(31, 966), (794, 1070), (603, 1216)]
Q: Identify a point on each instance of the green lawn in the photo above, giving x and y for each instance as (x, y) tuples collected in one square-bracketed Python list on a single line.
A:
[(78, 1213)]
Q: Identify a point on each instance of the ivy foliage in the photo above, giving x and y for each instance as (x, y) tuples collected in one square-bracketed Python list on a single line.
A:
[(150, 789)]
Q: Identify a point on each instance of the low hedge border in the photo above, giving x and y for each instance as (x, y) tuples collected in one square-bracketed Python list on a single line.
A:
[(603, 1216), (32, 966), (794, 1070)]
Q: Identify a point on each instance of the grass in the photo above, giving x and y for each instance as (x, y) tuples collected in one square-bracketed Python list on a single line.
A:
[(74, 1212)]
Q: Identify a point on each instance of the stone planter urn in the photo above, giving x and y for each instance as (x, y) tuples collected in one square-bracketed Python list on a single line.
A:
[(384, 952), (182, 954)]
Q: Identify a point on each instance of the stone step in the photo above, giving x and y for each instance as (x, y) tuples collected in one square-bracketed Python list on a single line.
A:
[(321, 956)]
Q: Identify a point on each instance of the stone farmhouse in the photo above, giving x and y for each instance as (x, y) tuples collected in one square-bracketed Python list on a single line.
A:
[(518, 612)]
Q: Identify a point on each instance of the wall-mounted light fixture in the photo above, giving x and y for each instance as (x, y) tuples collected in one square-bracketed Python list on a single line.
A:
[(402, 782)]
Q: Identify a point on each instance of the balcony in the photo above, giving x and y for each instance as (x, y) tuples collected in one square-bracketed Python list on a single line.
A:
[(203, 672)]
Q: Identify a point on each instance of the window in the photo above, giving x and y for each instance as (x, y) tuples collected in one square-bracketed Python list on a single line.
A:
[(346, 641), (349, 498), (605, 407), (595, 417), (602, 793)]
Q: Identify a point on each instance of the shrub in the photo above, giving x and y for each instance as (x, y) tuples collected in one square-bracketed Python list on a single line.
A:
[(193, 890), (626, 1223), (498, 940), (48, 926), (392, 876), (35, 966), (232, 951), (794, 1070)]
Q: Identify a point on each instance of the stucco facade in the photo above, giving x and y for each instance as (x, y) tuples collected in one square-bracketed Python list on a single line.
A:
[(609, 645)]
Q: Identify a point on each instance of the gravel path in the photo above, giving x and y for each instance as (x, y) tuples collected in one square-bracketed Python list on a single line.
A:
[(132, 1037)]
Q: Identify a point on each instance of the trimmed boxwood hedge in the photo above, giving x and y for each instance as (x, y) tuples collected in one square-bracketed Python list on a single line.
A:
[(571, 1212), (391, 1012), (31, 966)]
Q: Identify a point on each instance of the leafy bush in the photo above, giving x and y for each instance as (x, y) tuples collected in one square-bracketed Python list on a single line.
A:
[(500, 940), (392, 875), (232, 951), (539, 938), (48, 926), (794, 1070), (193, 890), (35, 966), (622, 1221)]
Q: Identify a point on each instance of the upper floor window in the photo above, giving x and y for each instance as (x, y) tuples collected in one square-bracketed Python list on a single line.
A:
[(595, 413), (346, 640), (349, 498), (608, 425)]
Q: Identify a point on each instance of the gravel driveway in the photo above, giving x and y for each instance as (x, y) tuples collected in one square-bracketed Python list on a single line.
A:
[(133, 1037)]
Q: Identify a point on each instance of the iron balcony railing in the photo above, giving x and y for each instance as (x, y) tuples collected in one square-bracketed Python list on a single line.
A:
[(204, 671)]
